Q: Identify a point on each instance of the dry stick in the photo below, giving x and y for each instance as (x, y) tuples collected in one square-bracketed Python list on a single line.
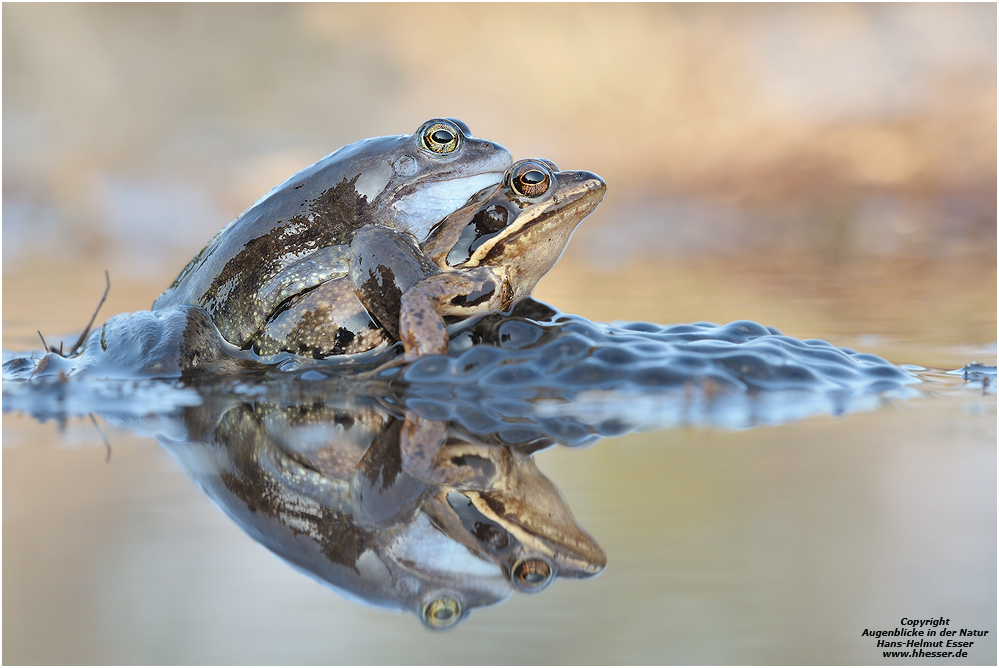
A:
[(83, 336), (45, 346)]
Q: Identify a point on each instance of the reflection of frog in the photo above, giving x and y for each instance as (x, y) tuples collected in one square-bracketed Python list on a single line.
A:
[(478, 260), (494, 500), (303, 233), (380, 507)]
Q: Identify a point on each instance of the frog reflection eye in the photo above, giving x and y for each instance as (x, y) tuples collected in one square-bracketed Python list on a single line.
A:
[(441, 613), (441, 137), (531, 575), (530, 179)]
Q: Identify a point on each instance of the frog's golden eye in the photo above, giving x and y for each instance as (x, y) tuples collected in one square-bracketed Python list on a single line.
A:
[(441, 137), (532, 574), (530, 179), (441, 613)]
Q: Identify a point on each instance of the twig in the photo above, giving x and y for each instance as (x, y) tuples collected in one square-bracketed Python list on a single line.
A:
[(83, 336)]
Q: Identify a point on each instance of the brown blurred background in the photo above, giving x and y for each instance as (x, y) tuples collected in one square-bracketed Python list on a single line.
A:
[(826, 169)]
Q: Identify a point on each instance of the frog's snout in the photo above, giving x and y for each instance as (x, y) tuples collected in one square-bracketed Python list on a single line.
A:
[(487, 156), (590, 182), (581, 190)]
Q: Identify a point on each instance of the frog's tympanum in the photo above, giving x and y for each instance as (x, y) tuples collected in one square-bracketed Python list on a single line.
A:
[(305, 233), (397, 510)]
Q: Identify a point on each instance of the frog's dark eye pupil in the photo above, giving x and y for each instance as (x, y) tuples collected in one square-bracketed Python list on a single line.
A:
[(533, 177), (442, 137)]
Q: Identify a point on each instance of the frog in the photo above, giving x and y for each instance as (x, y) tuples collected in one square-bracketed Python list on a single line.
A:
[(479, 259), (305, 232), (492, 254)]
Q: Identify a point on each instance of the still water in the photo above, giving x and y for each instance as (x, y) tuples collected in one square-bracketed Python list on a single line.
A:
[(769, 528)]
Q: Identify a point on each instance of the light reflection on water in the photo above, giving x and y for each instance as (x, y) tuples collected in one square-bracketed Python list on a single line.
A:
[(772, 545)]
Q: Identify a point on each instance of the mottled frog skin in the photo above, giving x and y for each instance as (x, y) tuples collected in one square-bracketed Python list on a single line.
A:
[(480, 259), (303, 233)]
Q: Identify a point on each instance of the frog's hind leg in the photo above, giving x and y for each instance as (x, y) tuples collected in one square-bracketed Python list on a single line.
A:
[(327, 320)]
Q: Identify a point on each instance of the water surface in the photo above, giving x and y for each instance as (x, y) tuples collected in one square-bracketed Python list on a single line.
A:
[(773, 544)]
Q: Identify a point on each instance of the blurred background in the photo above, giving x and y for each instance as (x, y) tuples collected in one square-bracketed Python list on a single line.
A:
[(829, 170)]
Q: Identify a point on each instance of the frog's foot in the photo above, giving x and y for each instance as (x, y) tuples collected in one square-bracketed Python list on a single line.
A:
[(460, 293), (421, 326)]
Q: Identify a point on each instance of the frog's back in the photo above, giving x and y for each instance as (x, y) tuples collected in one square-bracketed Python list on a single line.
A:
[(292, 239)]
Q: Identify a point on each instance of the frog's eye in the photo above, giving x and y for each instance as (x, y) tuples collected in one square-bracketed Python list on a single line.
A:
[(441, 613), (531, 574), (530, 179), (441, 137)]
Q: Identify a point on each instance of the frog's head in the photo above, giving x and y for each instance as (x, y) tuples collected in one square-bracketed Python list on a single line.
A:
[(523, 226), (520, 521), (415, 180)]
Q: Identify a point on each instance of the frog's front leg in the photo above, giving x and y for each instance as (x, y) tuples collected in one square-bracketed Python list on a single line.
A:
[(466, 293), (385, 263)]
